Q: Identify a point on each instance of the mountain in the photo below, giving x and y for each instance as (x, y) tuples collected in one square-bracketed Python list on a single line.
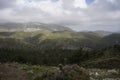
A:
[(110, 40), (32, 26), (105, 33), (45, 35)]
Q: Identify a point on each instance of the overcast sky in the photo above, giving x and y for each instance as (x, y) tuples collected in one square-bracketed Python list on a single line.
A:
[(77, 14)]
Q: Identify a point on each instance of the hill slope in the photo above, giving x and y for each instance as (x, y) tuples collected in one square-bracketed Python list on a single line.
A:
[(60, 39), (53, 48)]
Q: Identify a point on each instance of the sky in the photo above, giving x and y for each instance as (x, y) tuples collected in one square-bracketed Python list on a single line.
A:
[(80, 15)]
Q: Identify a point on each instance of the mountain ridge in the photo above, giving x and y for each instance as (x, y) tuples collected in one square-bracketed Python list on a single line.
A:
[(33, 26)]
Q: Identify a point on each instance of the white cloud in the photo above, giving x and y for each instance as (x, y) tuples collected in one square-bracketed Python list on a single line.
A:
[(51, 8), (80, 4)]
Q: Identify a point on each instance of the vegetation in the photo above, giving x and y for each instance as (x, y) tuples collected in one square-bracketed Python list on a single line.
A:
[(66, 47), (46, 50), (17, 71)]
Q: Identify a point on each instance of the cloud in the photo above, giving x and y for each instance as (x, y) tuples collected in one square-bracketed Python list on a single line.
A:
[(80, 3), (98, 14), (7, 3)]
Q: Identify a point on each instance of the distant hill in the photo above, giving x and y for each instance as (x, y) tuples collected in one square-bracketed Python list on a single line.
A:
[(33, 26), (103, 32)]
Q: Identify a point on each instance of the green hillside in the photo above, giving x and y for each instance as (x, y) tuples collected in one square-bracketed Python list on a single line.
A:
[(58, 38), (108, 58), (52, 48)]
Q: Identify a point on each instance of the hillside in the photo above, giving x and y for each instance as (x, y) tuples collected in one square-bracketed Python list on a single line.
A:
[(47, 47), (110, 40), (60, 39), (108, 58)]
